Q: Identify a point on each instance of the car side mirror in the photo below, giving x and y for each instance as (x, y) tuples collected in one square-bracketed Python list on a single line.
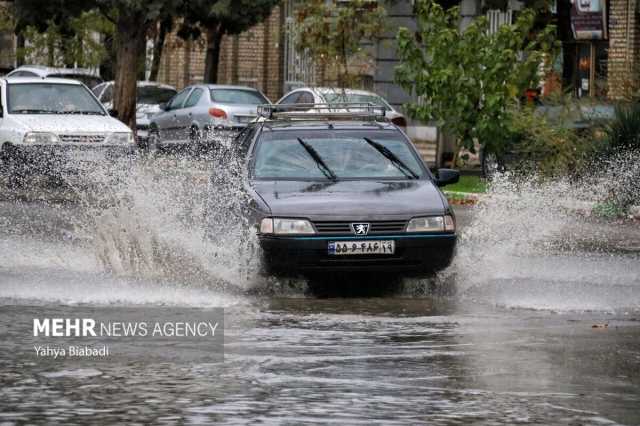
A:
[(447, 177), (163, 106), (113, 112)]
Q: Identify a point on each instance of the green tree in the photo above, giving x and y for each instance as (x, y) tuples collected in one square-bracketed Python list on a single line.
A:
[(77, 46), (465, 81), (218, 18), (131, 19), (333, 34)]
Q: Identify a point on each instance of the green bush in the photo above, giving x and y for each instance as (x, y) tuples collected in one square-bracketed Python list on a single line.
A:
[(550, 148), (623, 133)]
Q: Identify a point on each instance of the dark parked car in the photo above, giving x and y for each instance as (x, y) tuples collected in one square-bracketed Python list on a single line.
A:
[(344, 192)]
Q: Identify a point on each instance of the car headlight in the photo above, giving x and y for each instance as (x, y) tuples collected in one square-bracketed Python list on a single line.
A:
[(119, 138), (432, 224), (279, 226), (41, 138)]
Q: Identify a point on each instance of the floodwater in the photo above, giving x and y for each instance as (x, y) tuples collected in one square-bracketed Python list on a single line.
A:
[(537, 321)]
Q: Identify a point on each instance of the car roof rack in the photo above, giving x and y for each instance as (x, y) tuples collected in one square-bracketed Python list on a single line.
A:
[(323, 112)]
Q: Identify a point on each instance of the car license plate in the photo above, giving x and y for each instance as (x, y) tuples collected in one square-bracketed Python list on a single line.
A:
[(340, 248)]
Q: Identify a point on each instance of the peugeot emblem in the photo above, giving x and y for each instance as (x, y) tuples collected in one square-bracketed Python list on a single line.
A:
[(360, 228)]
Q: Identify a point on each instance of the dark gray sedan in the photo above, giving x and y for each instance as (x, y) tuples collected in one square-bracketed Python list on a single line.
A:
[(345, 195)]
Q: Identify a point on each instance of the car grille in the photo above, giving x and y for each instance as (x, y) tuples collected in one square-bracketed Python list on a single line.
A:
[(82, 138), (375, 227)]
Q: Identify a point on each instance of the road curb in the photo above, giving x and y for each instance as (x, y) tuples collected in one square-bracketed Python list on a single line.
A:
[(462, 198)]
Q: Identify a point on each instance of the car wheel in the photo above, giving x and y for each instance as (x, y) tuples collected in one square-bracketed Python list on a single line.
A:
[(490, 163), (194, 135), (153, 141)]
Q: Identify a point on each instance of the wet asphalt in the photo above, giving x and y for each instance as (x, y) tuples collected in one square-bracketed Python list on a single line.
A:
[(546, 336)]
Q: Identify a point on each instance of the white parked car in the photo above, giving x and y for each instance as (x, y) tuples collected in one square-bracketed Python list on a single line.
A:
[(149, 97), (54, 122), (83, 75), (334, 95)]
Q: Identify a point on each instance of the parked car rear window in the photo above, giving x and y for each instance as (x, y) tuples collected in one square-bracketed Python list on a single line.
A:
[(152, 95), (237, 96), (356, 98), (90, 81), (280, 155), (44, 98)]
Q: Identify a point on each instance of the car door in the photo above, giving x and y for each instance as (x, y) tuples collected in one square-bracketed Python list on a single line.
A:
[(167, 121), (189, 113)]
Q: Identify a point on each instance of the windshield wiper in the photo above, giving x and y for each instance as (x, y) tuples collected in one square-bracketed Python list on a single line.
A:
[(82, 112), (393, 158), (319, 161), (32, 111)]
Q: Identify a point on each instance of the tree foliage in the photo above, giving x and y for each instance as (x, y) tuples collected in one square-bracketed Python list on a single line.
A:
[(466, 80), (76, 45), (333, 34)]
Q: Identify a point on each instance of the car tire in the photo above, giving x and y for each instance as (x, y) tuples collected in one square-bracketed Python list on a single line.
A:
[(194, 135), (153, 141), (490, 163)]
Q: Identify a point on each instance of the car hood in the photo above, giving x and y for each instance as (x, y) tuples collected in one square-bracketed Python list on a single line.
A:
[(351, 199), (70, 123)]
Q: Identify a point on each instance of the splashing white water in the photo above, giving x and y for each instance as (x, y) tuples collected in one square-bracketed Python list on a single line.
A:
[(151, 219), (536, 243)]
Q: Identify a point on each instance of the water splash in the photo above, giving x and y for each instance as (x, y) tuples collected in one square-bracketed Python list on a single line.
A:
[(538, 243), (151, 219)]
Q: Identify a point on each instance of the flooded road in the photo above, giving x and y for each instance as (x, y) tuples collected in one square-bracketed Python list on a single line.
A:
[(542, 327)]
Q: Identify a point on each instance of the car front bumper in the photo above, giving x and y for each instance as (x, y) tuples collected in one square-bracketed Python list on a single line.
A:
[(415, 255), (57, 157)]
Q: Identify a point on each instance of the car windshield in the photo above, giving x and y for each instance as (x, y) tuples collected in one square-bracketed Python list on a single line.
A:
[(47, 98), (339, 97), (335, 154), (152, 95), (237, 96)]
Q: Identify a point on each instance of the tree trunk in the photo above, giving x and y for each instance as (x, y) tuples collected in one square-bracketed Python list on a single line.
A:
[(158, 46), (132, 30), (20, 49), (212, 59)]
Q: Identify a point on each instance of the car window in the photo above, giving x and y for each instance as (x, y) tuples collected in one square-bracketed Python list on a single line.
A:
[(154, 95), (237, 96), (178, 99), (305, 98), (47, 98), (193, 98), (290, 99), (88, 80), (339, 97), (23, 74), (281, 155), (242, 142), (97, 91), (107, 95)]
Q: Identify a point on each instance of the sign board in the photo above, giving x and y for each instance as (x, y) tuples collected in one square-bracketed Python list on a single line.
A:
[(589, 19)]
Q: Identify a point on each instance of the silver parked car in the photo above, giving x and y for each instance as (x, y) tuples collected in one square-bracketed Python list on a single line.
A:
[(83, 75), (334, 95), (202, 110), (149, 97)]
